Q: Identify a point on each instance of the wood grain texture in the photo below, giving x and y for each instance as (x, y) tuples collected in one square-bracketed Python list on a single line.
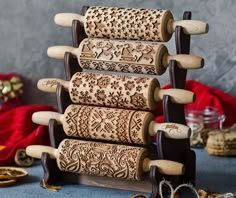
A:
[(116, 91), (125, 56), (111, 124), (102, 159), (113, 90), (122, 22)]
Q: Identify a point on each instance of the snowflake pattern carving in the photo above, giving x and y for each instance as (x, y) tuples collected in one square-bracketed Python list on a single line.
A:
[(112, 90)]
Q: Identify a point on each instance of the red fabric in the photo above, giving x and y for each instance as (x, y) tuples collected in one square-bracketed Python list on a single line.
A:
[(18, 131), (9, 76), (12, 103), (206, 96)]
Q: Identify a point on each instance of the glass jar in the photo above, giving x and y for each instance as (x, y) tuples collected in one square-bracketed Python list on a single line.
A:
[(209, 118)]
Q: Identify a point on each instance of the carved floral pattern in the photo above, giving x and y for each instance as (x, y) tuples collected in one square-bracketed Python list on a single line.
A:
[(112, 90)]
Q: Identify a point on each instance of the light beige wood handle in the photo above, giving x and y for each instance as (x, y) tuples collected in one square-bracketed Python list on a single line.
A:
[(171, 130), (37, 150), (185, 61), (50, 84), (165, 167), (66, 19), (179, 96), (189, 26), (43, 117), (58, 52)]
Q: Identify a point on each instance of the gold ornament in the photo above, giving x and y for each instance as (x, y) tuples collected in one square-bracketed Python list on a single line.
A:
[(10, 89)]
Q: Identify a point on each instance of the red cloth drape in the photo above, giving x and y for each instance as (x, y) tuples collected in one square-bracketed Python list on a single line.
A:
[(206, 96), (18, 131)]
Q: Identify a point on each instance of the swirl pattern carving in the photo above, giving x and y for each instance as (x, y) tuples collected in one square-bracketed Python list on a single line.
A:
[(100, 159)]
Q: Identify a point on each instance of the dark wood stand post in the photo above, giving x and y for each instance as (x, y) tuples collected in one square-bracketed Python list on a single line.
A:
[(178, 150)]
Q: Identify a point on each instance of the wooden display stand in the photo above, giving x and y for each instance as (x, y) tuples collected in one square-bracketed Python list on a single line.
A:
[(171, 149)]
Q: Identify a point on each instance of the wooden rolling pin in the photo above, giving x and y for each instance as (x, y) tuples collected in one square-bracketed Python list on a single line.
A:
[(100, 159), (111, 124), (125, 56), (116, 91), (131, 23)]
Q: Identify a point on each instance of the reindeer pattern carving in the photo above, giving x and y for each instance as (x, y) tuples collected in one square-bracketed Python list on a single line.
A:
[(115, 55)]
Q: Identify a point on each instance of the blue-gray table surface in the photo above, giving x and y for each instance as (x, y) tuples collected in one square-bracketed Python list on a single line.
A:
[(213, 173)]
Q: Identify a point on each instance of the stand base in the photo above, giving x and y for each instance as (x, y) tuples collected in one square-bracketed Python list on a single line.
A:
[(138, 186)]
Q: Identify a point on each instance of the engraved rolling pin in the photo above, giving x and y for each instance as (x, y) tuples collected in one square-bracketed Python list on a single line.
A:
[(131, 23), (125, 56), (116, 91), (100, 159), (111, 124)]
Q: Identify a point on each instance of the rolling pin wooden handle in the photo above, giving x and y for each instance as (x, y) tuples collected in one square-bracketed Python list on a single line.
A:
[(66, 19), (58, 52), (37, 150), (165, 167), (184, 61), (43, 117), (171, 130), (50, 84), (189, 26), (179, 96)]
